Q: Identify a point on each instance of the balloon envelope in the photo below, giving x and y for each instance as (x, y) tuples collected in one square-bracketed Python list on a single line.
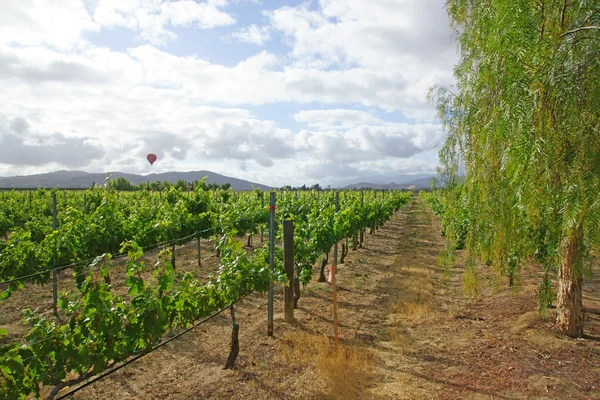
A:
[(151, 158)]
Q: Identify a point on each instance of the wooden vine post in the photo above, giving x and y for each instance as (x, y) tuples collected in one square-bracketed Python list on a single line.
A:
[(54, 274), (173, 256), (262, 207), (288, 264), (362, 230), (198, 248), (333, 273), (271, 261)]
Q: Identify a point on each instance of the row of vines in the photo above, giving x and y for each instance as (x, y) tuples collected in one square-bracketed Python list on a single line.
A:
[(506, 252), (101, 328)]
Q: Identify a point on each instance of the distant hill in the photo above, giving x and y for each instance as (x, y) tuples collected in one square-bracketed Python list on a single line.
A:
[(80, 179), (420, 183)]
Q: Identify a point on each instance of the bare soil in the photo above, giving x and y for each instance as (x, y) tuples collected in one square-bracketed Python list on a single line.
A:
[(407, 331)]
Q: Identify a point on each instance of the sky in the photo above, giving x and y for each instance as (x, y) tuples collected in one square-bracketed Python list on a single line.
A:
[(275, 92)]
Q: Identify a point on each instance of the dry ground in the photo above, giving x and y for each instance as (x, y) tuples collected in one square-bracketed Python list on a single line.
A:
[(407, 331)]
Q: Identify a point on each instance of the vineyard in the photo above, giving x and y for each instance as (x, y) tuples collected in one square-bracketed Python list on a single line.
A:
[(100, 322), (413, 300), (154, 285)]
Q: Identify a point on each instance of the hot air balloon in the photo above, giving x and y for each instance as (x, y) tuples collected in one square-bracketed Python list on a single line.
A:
[(151, 158)]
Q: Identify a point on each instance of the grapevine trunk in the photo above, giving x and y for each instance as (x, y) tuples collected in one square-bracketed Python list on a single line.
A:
[(235, 343), (322, 277)]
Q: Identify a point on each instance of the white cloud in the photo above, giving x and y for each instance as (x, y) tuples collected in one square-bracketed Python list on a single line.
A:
[(377, 33), (253, 34), (407, 42), (23, 144), (256, 81), (61, 23), (332, 118), (57, 23), (324, 171), (113, 107), (370, 142), (38, 65), (150, 17)]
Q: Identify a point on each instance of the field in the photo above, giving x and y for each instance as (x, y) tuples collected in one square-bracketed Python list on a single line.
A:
[(407, 330), (484, 285), (103, 312)]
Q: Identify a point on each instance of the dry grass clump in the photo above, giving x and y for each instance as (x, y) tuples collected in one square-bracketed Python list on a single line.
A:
[(347, 372), (401, 339), (410, 309)]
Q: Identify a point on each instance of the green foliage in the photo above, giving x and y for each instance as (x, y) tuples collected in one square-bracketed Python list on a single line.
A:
[(110, 218), (451, 207), (102, 327), (446, 260), (471, 281), (121, 184), (317, 225), (524, 128)]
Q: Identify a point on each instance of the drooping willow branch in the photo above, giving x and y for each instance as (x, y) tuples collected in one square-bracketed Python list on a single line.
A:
[(583, 28)]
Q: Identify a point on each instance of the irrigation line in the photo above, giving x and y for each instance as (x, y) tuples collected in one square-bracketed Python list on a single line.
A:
[(164, 342), (116, 257), (20, 278), (170, 242)]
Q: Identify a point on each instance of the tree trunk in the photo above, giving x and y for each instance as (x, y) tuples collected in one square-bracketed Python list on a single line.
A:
[(354, 241), (250, 240), (322, 277), (570, 309)]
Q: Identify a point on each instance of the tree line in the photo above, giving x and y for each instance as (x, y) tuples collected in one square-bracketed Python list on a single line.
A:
[(123, 184)]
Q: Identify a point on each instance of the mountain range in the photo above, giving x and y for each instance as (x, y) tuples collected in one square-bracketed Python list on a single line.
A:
[(83, 180), (421, 183)]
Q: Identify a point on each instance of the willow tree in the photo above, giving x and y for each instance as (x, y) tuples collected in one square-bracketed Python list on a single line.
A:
[(524, 121)]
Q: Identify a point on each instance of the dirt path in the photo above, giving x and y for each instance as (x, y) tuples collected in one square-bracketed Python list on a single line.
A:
[(446, 345), (407, 331)]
